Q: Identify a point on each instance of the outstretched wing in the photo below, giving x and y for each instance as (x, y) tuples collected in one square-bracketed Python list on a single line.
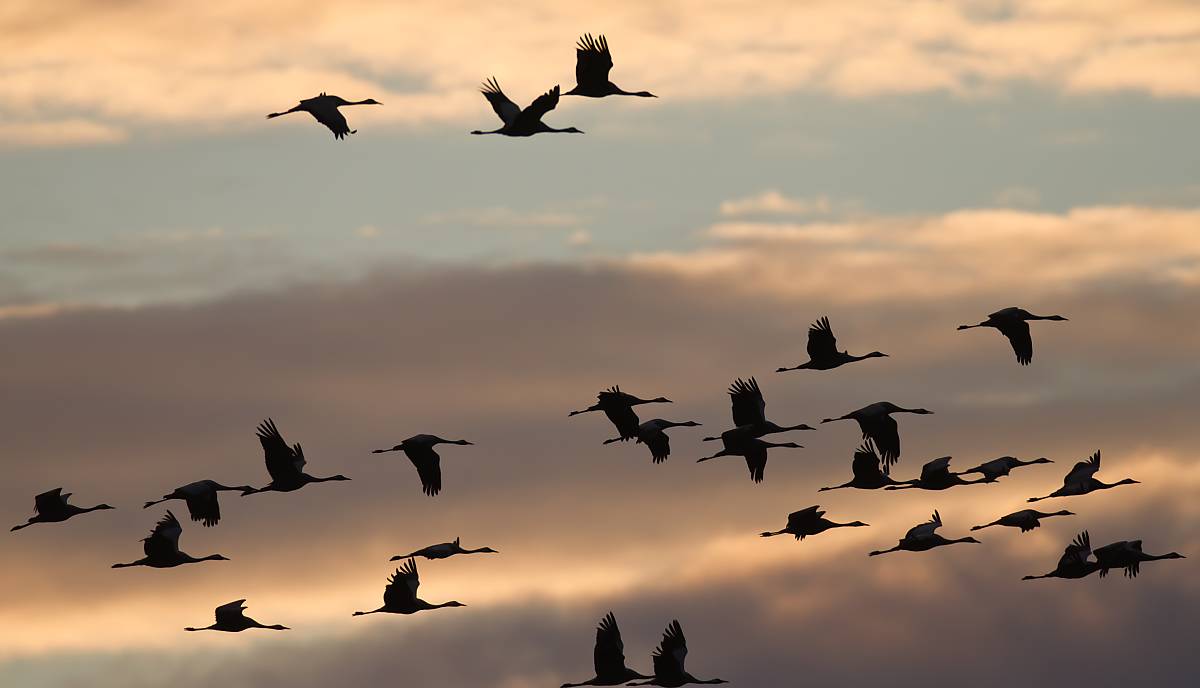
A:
[(796, 519), (1017, 332), (749, 407), (230, 613), (203, 506), (163, 541), (821, 342), (670, 654), (1084, 470), (429, 467), (505, 108), (926, 529), (1077, 552), (592, 61), (935, 469), (624, 419), (885, 433), (756, 459), (659, 444), (332, 118), (401, 590), (866, 462), (544, 103), (283, 462), (50, 501), (609, 654)]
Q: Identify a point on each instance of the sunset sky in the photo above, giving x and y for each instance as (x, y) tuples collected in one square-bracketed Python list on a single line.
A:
[(174, 268)]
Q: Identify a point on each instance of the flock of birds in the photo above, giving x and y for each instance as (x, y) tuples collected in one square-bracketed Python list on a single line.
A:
[(871, 466)]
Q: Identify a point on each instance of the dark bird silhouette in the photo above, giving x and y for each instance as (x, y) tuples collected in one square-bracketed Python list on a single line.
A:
[(609, 657), (419, 450), (653, 434), (400, 595), (1025, 519), (231, 620), (867, 474), (750, 412), (809, 521), (668, 661), (285, 464), (823, 353), (592, 64), (324, 109), (52, 507), (1075, 561), (162, 547), (518, 122), (1080, 481), (1127, 555), (877, 425), (935, 475), (753, 449), (998, 468), (923, 537), (618, 406), (1013, 323), (201, 498), (444, 550)]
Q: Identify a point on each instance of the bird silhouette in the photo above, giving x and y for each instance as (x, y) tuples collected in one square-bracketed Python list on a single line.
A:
[(419, 450), (753, 449), (653, 434), (52, 507), (618, 406), (877, 425), (162, 547), (935, 475), (1075, 561), (400, 595), (592, 64), (1013, 323), (1025, 519), (867, 474), (324, 109), (1080, 481), (518, 122), (668, 661), (285, 464), (809, 521), (823, 353), (201, 499), (998, 468), (922, 537), (609, 657), (444, 550), (231, 620), (749, 411), (1127, 555)]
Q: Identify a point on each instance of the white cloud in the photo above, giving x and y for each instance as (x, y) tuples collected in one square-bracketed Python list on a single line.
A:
[(772, 202)]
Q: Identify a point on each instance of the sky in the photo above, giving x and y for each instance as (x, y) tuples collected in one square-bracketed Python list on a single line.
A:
[(174, 268)]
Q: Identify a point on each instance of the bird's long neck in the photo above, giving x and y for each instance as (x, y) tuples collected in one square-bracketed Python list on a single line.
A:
[(803, 366), (139, 562), (718, 455), (884, 551), (481, 550), (1044, 575), (852, 524), (495, 131), (24, 525), (771, 533), (373, 611), (1157, 557), (451, 603), (206, 628), (962, 539), (85, 510), (147, 505), (365, 101), (837, 487)]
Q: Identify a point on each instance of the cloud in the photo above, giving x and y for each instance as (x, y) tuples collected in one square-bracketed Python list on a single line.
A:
[(772, 202), (501, 216), (55, 133)]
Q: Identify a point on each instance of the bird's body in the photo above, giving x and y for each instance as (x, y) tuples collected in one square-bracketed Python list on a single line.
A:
[(52, 507), (609, 657), (593, 61), (1075, 561), (753, 449), (867, 474), (935, 475), (877, 425), (324, 109), (419, 450), (823, 353), (201, 499), (618, 408), (162, 547), (923, 537), (229, 618), (749, 410), (400, 595), (1013, 323), (653, 434), (998, 468), (1080, 480), (518, 122), (809, 521), (1025, 519), (444, 550), (669, 659), (1127, 555), (285, 464)]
